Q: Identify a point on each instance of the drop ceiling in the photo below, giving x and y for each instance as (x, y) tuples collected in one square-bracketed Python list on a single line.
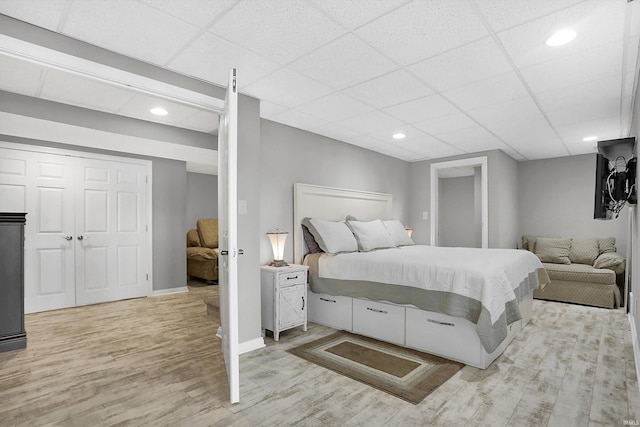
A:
[(456, 76)]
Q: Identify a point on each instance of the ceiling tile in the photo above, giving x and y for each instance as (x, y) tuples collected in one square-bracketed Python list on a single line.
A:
[(604, 128), (422, 29), (45, 14), (494, 90), (203, 121), (422, 109), (269, 109), (210, 58), (522, 124), (334, 131), (282, 30), (467, 64), (19, 76), (295, 119), (140, 105), (354, 13), (128, 27), (583, 97), (506, 14), (334, 107), (472, 139), (287, 87), (374, 122), (344, 62), (390, 89), (196, 12), (446, 124), (588, 65), (71, 89), (596, 22)]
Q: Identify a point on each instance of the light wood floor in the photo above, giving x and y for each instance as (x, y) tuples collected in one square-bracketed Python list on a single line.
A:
[(156, 361)]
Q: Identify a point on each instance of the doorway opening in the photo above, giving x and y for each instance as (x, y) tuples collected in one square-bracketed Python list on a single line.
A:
[(459, 203)]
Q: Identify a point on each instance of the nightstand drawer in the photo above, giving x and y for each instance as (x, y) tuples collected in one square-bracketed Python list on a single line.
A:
[(291, 277)]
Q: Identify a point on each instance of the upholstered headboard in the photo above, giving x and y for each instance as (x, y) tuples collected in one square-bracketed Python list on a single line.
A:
[(334, 204)]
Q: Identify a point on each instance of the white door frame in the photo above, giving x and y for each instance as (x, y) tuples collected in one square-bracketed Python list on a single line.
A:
[(435, 174), (84, 154)]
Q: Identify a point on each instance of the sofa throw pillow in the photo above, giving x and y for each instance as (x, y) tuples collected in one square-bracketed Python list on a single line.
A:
[(332, 236), (584, 251), (607, 245), (193, 240), (553, 249), (398, 233), (610, 260), (529, 243), (371, 235)]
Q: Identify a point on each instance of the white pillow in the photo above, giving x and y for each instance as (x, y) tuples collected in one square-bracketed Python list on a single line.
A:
[(332, 236), (371, 235), (398, 233)]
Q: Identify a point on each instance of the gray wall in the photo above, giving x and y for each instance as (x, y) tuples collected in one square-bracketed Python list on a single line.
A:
[(292, 156), (202, 198), (556, 199), (456, 212), (249, 190), (169, 206), (503, 210)]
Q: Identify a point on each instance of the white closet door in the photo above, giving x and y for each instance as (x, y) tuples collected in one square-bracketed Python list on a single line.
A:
[(111, 251), (43, 186)]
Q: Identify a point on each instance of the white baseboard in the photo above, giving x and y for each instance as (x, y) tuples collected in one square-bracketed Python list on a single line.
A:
[(247, 346), (160, 292), (634, 335)]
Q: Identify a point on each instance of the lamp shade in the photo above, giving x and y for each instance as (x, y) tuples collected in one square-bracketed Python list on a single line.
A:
[(409, 231), (278, 239)]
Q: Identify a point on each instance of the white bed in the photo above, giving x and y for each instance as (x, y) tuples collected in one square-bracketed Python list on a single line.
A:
[(409, 325)]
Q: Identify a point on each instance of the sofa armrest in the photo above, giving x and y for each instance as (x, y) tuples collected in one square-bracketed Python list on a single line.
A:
[(193, 240), (610, 260)]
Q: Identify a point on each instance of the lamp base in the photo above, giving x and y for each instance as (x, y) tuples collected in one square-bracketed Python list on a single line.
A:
[(278, 263)]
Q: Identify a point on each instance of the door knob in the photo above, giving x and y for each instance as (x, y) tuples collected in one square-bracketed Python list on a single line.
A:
[(81, 237), (67, 238)]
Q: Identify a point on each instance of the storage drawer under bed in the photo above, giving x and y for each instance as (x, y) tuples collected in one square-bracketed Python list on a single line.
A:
[(329, 310), (379, 320)]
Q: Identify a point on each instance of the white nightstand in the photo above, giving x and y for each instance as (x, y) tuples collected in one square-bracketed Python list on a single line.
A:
[(284, 298)]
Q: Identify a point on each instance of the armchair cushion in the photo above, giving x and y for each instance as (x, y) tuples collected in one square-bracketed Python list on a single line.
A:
[(584, 251), (554, 250), (208, 232)]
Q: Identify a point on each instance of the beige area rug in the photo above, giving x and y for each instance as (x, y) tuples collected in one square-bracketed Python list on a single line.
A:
[(408, 374)]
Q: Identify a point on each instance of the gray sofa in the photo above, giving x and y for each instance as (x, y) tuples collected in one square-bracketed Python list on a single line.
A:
[(582, 271)]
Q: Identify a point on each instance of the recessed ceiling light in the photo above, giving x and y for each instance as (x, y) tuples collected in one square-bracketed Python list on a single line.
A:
[(561, 37), (399, 135), (589, 138), (159, 111)]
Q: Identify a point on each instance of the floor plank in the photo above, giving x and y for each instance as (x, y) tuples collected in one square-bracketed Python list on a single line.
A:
[(156, 361)]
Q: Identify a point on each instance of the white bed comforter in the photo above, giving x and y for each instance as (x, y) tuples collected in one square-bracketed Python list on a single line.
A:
[(486, 275)]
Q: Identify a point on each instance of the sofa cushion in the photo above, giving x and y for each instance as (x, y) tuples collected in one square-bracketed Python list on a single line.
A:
[(607, 245), (584, 251), (529, 243), (208, 232), (553, 249), (579, 273), (202, 254), (193, 240)]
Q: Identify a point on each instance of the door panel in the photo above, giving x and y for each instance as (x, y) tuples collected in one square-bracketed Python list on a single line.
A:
[(111, 232), (228, 243)]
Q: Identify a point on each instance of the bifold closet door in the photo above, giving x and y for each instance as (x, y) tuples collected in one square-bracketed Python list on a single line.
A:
[(86, 231), (111, 254), (43, 186)]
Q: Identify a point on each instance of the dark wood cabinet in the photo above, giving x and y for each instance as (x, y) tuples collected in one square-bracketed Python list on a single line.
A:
[(12, 333)]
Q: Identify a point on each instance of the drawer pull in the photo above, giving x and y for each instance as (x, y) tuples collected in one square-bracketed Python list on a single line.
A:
[(302, 303), (437, 322), (291, 278), (328, 300), (377, 311)]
